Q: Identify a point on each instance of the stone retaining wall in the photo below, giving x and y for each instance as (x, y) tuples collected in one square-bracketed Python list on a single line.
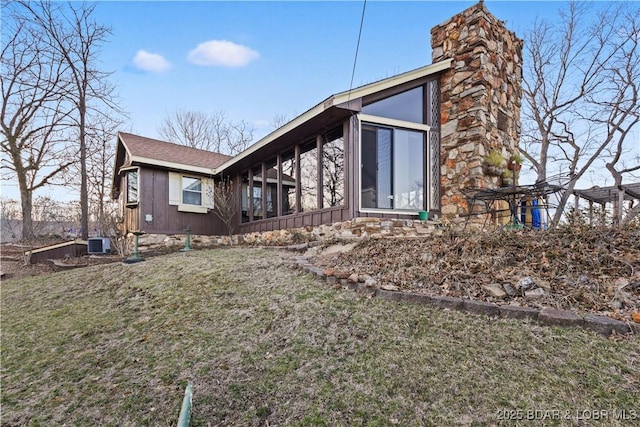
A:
[(356, 228), (364, 284)]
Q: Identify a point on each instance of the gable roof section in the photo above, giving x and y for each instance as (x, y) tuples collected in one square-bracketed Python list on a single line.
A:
[(348, 100), (154, 152)]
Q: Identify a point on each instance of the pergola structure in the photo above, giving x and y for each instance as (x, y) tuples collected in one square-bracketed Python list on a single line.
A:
[(611, 194)]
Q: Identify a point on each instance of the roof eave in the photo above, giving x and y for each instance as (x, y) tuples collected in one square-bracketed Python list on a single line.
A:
[(172, 165), (341, 99)]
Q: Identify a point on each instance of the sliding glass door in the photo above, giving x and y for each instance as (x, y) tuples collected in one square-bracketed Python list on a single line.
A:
[(392, 168)]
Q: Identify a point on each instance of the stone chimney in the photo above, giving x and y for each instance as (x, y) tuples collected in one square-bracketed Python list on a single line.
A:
[(480, 98)]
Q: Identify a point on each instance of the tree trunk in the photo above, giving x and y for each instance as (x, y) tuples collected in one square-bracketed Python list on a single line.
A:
[(84, 191), (26, 202)]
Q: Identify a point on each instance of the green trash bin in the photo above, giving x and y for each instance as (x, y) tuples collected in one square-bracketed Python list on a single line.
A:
[(423, 215)]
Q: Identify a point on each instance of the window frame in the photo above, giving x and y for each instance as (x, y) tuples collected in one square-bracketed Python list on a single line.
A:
[(385, 122), (127, 201), (183, 189), (176, 192)]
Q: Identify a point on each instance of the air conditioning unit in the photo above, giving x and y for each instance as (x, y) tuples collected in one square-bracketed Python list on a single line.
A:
[(98, 245)]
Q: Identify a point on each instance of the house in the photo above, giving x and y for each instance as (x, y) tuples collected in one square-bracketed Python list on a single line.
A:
[(390, 149), (163, 188)]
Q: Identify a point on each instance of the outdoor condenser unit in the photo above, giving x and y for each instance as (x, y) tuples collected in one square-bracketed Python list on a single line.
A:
[(98, 245)]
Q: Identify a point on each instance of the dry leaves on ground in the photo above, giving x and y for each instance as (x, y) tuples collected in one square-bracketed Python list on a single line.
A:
[(579, 268)]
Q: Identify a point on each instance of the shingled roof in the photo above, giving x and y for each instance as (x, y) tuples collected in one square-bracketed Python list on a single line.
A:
[(150, 151)]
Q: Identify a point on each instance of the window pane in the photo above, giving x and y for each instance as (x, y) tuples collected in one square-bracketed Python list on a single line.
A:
[(132, 186), (288, 184), (191, 191), (333, 169), (244, 199), (408, 170), (393, 168), (309, 178), (192, 198), (407, 106), (257, 194), (272, 188), (376, 168), (384, 169)]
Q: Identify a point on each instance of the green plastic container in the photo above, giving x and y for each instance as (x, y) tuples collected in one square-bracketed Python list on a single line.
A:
[(423, 215)]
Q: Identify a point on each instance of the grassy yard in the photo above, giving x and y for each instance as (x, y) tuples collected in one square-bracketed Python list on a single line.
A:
[(265, 344)]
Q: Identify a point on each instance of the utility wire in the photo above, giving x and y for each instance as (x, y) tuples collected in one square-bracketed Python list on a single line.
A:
[(355, 59)]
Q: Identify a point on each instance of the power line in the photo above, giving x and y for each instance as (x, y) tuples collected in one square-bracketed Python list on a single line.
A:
[(355, 59)]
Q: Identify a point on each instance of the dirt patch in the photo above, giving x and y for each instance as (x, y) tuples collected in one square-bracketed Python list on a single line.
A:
[(13, 260)]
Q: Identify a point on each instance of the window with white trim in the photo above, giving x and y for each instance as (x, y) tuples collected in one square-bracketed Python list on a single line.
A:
[(191, 191), (132, 187)]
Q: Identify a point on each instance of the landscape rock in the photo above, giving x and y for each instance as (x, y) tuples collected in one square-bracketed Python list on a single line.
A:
[(605, 325), (518, 312), (536, 293), (363, 278), (311, 252), (495, 290), (329, 272), (341, 274), (353, 278), (387, 287), (551, 316), (509, 289), (481, 307), (370, 283), (334, 249), (525, 284)]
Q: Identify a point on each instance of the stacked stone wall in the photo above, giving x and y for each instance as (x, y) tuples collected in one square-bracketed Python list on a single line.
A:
[(480, 98), (357, 228)]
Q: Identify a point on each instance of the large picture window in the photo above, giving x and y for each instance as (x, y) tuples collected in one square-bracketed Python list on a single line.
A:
[(399, 151), (393, 168)]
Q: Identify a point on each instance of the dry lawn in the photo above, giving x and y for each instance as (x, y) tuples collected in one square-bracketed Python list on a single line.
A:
[(265, 344)]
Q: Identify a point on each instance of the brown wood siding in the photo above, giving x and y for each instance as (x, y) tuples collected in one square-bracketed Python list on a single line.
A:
[(312, 218), (166, 219)]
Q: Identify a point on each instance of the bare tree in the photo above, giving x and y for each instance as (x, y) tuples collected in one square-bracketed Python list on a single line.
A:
[(212, 132), (226, 202), (77, 38), (100, 162), (278, 121), (578, 93), (623, 110), (34, 115), (10, 219)]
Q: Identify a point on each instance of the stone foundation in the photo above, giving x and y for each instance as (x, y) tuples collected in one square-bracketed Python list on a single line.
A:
[(357, 228)]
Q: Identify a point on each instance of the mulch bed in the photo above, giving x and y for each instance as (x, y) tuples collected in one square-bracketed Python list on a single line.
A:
[(584, 269)]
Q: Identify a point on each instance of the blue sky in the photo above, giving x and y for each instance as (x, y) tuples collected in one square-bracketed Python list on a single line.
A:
[(256, 60)]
